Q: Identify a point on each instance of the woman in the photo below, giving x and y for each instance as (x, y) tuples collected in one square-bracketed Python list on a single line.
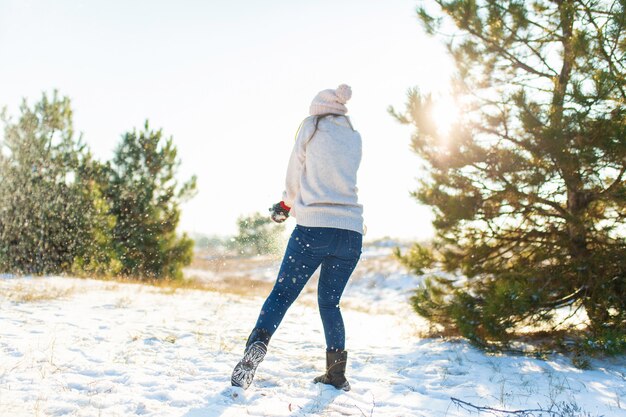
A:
[(321, 194)]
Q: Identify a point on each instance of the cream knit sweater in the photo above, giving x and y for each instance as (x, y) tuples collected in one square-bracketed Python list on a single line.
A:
[(321, 177)]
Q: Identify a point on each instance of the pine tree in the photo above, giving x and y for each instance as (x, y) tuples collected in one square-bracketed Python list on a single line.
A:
[(145, 197), (258, 235), (97, 255), (53, 219), (529, 189)]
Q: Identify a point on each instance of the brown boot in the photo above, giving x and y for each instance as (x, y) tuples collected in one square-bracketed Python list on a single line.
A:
[(335, 371)]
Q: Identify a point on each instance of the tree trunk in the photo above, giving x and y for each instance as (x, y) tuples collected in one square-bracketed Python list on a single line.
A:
[(593, 296)]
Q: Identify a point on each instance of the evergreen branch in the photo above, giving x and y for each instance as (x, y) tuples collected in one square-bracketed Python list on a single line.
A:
[(524, 236), (538, 54), (496, 252), (615, 183), (527, 43), (544, 29), (601, 40), (505, 136), (567, 300), (617, 37), (532, 198), (565, 214), (508, 55), (595, 11), (566, 318)]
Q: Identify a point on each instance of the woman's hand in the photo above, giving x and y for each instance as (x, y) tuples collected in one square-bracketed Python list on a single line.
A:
[(279, 212)]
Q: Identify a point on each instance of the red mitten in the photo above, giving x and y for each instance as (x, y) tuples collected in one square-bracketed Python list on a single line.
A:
[(279, 212)]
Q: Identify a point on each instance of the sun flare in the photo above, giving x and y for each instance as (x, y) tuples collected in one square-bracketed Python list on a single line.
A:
[(445, 113)]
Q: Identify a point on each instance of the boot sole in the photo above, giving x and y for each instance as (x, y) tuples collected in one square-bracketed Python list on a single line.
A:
[(344, 387), (243, 374)]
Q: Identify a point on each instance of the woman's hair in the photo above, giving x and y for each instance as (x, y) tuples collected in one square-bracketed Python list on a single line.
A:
[(320, 117)]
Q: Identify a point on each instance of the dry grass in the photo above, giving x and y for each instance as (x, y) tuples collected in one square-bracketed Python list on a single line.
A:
[(165, 286), (242, 276), (232, 275), (237, 286), (235, 275), (29, 294), (229, 264)]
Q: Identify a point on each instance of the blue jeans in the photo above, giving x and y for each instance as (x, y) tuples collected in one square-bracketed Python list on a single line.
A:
[(338, 252)]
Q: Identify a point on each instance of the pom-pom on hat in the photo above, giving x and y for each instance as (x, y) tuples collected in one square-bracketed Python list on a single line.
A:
[(331, 101)]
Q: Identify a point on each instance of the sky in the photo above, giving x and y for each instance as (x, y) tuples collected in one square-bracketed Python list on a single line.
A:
[(231, 81)]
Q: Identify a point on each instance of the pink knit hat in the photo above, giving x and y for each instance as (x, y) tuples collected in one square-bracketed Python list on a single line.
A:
[(331, 101)]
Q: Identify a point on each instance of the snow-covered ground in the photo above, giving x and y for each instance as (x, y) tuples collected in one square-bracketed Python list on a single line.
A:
[(72, 347)]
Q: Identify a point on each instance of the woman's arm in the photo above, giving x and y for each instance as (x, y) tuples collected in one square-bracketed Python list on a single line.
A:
[(296, 163)]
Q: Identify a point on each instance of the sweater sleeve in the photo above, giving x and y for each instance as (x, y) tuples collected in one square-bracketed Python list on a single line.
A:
[(296, 163)]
